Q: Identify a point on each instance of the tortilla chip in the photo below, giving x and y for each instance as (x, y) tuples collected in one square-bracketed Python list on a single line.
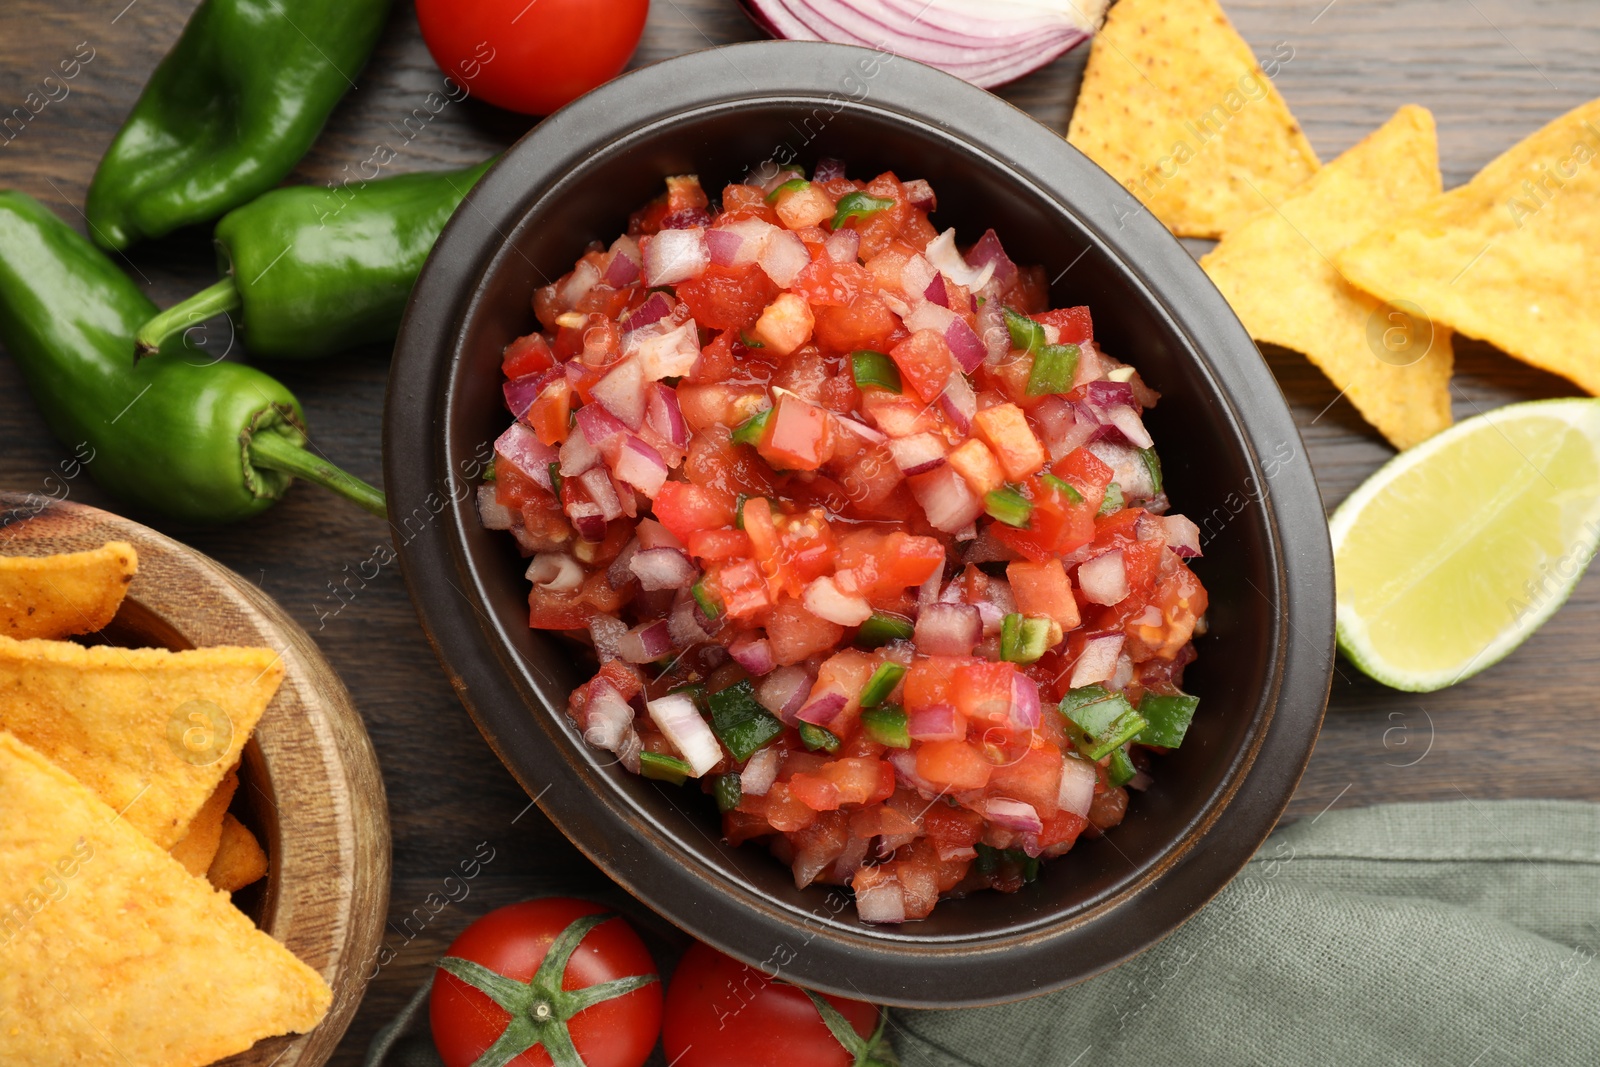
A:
[(199, 846), (240, 858), (61, 595), (111, 953), (1276, 271), (151, 732), (1176, 108), (1512, 257)]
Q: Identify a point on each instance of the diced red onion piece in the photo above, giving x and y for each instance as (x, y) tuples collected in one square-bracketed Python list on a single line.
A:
[(674, 256), (1098, 661), (928, 591), (937, 722), (1078, 780), (919, 194), (988, 251), (493, 514), (760, 772), (684, 623), (607, 717), (662, 568), (884, 902), (905, 769), (623, 270), (1128, 423), (946, 499), (588, 520), (753, 653), (1141, 782), (753, 235), (680, 720), (1106, 394), (654, 535), (916, 277), (784, 692), (651, 311), (941, 252), (948, 629), (605, 631), (860, 429), (724, 246), (824, 599), (827, 169), (556, 572), (1104, 579), (823, 710), (577, 454), (1127, 468), (1123, 674), (937, 291), (918, 454), (670, 354), (519, 447), (602, 430), (602, 492), (585, 276), (520, 393), (843, 246), (1025, 708), (992, 326), (1013, 814), (965, 345), (958, 403), (641, 466), (646, 642), (621, 392), (1183, 536), (783, 256)]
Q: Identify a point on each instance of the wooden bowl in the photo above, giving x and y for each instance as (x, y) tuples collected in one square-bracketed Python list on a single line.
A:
[(309, 786)]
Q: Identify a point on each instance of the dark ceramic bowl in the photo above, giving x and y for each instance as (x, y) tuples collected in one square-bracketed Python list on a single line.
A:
[(1234, 463)]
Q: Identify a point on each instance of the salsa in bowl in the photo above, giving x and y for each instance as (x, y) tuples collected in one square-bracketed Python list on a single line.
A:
[(1230, 457)]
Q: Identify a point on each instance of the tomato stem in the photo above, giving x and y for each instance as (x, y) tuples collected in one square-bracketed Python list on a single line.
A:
[(870, 1052)]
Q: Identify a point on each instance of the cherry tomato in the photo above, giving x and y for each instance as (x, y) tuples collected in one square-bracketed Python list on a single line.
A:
[(512, 942), (532, 57), (721, 1013)]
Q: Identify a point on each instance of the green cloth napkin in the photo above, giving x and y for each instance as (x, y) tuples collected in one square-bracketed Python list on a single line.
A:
[(1455, 933)]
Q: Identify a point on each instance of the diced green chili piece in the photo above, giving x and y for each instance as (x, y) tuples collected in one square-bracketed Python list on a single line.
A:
[(1023, 639), (664, 768), (882, 628), (751, 429), (793, 185), (555, 479), (1030, 868), (815, 738), (728, 791), (488, 472), (1054, 367), (875, 368), (739, 720), (748, 341), (887, 725), (1025, 333), (881, 684), (1113, 500), (1168, 716), (1065, 488), (1152, 465), (710, 606), (859, 206), (1106, 719), (1121, 770), (1008, 505), (988, 858)]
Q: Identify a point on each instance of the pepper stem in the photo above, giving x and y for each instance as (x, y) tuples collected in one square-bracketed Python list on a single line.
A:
[(212, 300), (277, 452)]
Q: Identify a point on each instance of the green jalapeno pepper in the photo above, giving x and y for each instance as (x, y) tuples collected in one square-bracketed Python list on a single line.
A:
[(314, 270), (229, 112), (195, 442)]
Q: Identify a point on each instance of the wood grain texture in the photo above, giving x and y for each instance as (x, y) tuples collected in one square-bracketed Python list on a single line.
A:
[(1491, 70), (309, 777)]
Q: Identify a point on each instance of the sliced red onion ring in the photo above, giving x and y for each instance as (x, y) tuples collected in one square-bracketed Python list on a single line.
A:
[(645, 643), (1098, 661), (918, 454), (946, 499), (822, 710), (759, 774), (937, 722), (752, 652), (680, 720), (674, 256), (824, 599), (1078, 779), (1183, 536), (784, 692), (941, 252), (493, 514), (948, 629), (1104, 579), (662, 568), (556, 572), (641, 466), (1013, 815), (519, 447)]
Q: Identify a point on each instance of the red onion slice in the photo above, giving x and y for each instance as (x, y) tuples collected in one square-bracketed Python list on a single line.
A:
[(823, 710), (965, 344), (665, 417), (828, 169), (680, 720), (555, 572), (920, 195), (674, 256), (623, 270), (784, 256), (652, 310), (645, 643), (602, 492), (843, 246), (520, 393), (938, 722), (883, 902), (941, 252), (654, 535), (1104, 579), (641, 466), (784, 692), (519, 447), (662, 568), (621, 392), (585, 276), (959, 404), (587, 519), (1183, 536), (948, 629), (1013, 815), (669, 354), (752, 652), (607, 717), (1098, 661), (988, 251), (724, 246)]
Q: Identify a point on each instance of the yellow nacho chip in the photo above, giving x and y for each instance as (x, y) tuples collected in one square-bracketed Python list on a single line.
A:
[(1176, 108), (150, 732), (111, 953), (240, 858), (65, 594), (1277, 272), (199, 846), (1512, 257)]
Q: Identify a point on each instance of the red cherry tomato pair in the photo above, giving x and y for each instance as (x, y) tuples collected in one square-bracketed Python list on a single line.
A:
[(562, 983)]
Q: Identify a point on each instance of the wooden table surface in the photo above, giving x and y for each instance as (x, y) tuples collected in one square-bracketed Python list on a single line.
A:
[(1492, 71)]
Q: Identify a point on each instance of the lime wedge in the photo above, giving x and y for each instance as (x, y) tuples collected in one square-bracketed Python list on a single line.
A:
[(1455, 551)]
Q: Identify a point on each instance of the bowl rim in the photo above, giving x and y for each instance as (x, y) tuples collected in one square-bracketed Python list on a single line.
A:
[(891, 967)]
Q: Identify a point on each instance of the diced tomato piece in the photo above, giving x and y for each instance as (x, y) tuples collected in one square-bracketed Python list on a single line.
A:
[(1085, 472), (925, 364), (875, 565), (798, 436), (897, 415), (551, 413), (704, 406), (795, 634), (715, 545), (785, 325), (845, 672), (800, 208), (727, 298), (787, 812), (743, 588), (684, 193), (527, 355), (1034, 778), (953, 765), (1074, 323), (739, 826), (931, 681), (952, 829), (818, 794), (982, 691), (829, 284), (745, 202), (866, 322), (1057, 525), (860, 781), (974, 462), (1043, 591), (1060, 832), (715, 462), (684, 508), (1015, 445)]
